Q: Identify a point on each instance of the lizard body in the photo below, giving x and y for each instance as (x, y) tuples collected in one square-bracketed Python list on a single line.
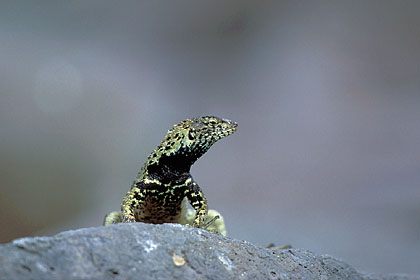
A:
[(164, 186)]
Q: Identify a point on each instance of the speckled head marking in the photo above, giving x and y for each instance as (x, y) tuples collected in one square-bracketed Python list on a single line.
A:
[(191, 138)]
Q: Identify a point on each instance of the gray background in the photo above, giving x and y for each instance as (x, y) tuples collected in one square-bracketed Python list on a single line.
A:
[(326, 94)]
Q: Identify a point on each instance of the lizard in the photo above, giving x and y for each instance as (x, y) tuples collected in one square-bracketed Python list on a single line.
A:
[(164, 186)]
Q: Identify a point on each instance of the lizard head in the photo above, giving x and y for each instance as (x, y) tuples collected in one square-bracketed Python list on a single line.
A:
[(201, 133), (191, 138)]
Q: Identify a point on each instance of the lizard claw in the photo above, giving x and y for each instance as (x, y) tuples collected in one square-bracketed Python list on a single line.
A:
[(209, 223), (201, 223), (128, 219)]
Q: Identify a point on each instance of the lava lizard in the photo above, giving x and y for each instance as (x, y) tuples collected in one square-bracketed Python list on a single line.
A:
[(164, 186)]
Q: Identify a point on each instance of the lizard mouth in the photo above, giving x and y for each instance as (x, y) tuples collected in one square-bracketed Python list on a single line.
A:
[(233, 126)]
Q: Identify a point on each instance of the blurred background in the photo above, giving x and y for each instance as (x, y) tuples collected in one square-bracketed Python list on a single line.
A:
[(326, 94)]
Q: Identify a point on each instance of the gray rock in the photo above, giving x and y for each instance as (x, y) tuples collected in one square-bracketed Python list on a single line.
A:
[(169, 251), (398, 276)]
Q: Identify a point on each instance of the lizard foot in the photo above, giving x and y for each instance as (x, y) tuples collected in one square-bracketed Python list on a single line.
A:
[(128, 219), (114, 217)]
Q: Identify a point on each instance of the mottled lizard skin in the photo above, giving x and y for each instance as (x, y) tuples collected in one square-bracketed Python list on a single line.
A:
[(164, 186)]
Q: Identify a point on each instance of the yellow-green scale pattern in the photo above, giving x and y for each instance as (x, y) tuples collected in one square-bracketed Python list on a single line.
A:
[(164, 186)]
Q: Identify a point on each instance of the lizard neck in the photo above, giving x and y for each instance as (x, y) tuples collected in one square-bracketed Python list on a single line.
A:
[(171, 169)]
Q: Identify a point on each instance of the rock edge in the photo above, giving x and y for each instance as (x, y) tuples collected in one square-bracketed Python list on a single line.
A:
[(168, 251)]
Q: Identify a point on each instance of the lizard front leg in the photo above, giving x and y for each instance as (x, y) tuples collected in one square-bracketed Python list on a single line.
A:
[(131, 201), (199, 202)]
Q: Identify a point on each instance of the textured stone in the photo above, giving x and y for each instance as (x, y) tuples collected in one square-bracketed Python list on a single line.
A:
[(168, 251)]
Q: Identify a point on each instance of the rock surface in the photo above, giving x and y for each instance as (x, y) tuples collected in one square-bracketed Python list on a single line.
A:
[(169, 251)]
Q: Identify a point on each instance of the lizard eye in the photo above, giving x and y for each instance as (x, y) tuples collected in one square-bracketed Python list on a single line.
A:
[(191, 135)]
